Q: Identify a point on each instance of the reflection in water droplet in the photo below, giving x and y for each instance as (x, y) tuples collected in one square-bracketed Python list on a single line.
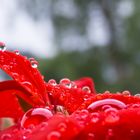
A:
[(105, 107), (35, 117), (52, 82), (65, 82), (33, 62), (2, 46), (86, 89)]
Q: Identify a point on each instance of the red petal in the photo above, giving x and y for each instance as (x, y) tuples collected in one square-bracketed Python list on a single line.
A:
[(20, 69)]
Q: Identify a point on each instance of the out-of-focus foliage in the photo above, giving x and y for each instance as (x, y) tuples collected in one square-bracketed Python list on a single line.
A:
[(115, 64)]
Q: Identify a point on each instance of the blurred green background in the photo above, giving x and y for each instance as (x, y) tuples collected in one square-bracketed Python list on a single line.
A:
[(96, 38)]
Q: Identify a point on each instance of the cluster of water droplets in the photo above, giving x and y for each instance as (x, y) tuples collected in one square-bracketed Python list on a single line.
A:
[(110, 108)]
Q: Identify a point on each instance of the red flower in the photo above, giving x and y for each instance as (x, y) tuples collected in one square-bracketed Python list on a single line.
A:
[(70, 110)]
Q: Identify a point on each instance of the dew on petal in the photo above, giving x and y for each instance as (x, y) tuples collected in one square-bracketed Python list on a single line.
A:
[(110, 134), (62, 127), (73, 84), (54, 135), (126, 93), (2, 46), (137, 95), (27, 132), (95, 117), (52, 82), (65, 82), (16, 52), (103, 102), (91, 136), (35, 117), (86, 89), (111, 115), (33, 62), (6, 137)]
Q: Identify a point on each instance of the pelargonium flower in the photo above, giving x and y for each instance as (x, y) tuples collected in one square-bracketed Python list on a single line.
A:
[(68, 110)]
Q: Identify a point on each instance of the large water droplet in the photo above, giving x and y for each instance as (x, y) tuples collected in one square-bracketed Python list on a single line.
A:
[(52, 82), (99, 103), (33, 62), (2, 46), (35, 117), (6, 137), (65, 82), (86, 89)]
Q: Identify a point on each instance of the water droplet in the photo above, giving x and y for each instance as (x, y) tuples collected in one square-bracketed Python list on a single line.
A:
[(2, 46), (27, 132), (111, 115), (35, 117), (95, 117), (91, 136), (84, 114), (28, 85), (107, 92), (86, 89), (110, 135), (43, 125), (65, 82), (52, 82), (73, 85), (135, 105), (6, 137), (62, 127), (99, 103), (33, 62), (54, 135), (126, 93), (132, 132), (16, 52), (137, 95)]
